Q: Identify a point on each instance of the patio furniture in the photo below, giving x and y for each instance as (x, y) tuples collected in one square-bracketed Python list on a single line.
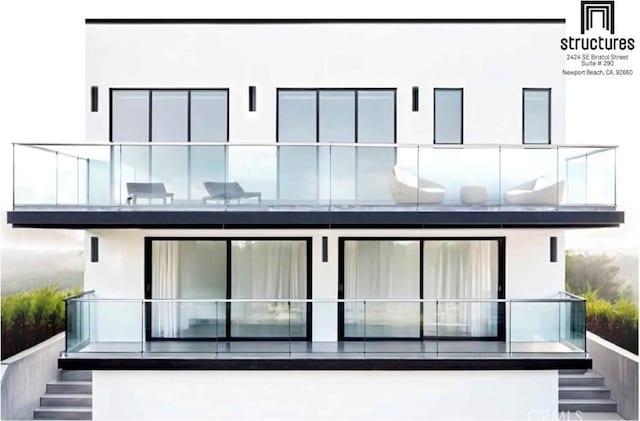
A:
[(147, 191), (539, 191), (408, 188), (227, 191), (473, 195)]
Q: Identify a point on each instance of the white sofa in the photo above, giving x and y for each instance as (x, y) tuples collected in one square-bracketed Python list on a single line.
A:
[(539, 191), (408, 188)]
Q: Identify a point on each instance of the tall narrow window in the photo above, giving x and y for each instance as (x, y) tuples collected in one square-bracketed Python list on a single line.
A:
[(376, 116), (209, 116), (169, 117), (536, 116), (130, 116), (448, 114), (297, 116)]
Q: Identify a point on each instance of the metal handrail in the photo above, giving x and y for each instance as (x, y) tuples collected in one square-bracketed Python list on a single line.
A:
[(81, 294), (572, 298)]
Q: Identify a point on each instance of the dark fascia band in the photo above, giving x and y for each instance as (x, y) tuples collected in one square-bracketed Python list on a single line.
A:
[(95, 21)]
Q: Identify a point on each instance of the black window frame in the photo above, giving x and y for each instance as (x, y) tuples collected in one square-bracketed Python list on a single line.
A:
[(148, 288), (548, 90), (355, 90), (501, 322), (150, 113), (435, 140)]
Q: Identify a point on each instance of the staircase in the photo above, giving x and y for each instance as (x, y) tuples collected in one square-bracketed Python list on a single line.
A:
[(68, 398), (585, 391)]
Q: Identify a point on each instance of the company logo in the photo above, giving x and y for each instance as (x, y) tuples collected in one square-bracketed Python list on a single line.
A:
[(597, 16), (591, 10)]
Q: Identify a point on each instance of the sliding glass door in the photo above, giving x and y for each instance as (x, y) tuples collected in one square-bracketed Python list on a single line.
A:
[(459, 273), (381, 270), (269, 271)]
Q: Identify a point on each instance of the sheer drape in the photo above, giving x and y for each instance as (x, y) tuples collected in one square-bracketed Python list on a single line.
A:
[(383, 270), (464, 269), (165, 275), (268, 270)]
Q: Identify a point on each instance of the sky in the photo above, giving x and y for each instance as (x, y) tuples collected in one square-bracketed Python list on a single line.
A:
[(43, 93)]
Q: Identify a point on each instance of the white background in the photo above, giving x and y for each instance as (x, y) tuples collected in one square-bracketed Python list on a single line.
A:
[(43, 90)]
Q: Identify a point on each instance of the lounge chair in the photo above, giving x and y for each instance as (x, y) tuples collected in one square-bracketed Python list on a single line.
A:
[(408, 188), (538, 191), (147, 191), (227, 191)]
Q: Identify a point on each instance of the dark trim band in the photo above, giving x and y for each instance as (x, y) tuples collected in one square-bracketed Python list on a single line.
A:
[(314, 219), (98, 21), (398, 364)]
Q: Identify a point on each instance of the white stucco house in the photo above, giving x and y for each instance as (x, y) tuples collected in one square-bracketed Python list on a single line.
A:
[(322, 218)]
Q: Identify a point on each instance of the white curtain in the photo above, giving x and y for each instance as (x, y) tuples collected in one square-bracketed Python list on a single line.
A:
[(268, 270), (165, 283), (463, 269), (382, 270)]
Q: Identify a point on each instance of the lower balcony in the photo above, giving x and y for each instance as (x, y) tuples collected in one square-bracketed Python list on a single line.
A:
[(272, 334)]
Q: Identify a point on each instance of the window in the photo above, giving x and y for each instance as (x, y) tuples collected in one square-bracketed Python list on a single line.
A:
[(297, 116), (337, 115), (260, 269), (456, 269), (345, 116), (130, 116), (536, 116), (447, 116), (169, 115)]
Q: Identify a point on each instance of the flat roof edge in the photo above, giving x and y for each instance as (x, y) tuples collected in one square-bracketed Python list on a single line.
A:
[(131, 21)]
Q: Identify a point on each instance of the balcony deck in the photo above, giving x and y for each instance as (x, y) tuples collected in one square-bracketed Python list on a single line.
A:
[(291, 355)]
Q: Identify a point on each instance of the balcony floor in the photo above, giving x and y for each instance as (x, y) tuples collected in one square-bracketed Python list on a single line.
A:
[(347, 355)]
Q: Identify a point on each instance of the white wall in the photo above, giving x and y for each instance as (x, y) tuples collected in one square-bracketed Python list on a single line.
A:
[(325, 395), (492, 62), (120, 273)]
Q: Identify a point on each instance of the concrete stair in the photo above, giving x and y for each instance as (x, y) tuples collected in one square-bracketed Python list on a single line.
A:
[(68, 398), (585, 391)]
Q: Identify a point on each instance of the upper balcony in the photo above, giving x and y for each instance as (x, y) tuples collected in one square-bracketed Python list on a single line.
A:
[(221, 185)]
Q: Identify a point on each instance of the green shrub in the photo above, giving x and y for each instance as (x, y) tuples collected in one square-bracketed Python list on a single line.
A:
[(616, 322), (31, 317)]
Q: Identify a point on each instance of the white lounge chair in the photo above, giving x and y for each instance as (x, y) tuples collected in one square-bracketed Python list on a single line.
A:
[(408, 188), (538, 191)]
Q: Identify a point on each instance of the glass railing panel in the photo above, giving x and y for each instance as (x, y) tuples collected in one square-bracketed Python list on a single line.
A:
[(170, 168), (374, 167), (134, 169), (255, 170), (343, 181), (459, 176), (298, 175), (207, 175), (184, 326), (77, 325), (471, 327), (588, 175), (535, 327), (573, 325), (529, 177), (116, 326), (35, 173), (392, 327)]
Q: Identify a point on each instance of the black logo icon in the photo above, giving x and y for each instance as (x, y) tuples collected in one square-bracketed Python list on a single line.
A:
[(590, 10)]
